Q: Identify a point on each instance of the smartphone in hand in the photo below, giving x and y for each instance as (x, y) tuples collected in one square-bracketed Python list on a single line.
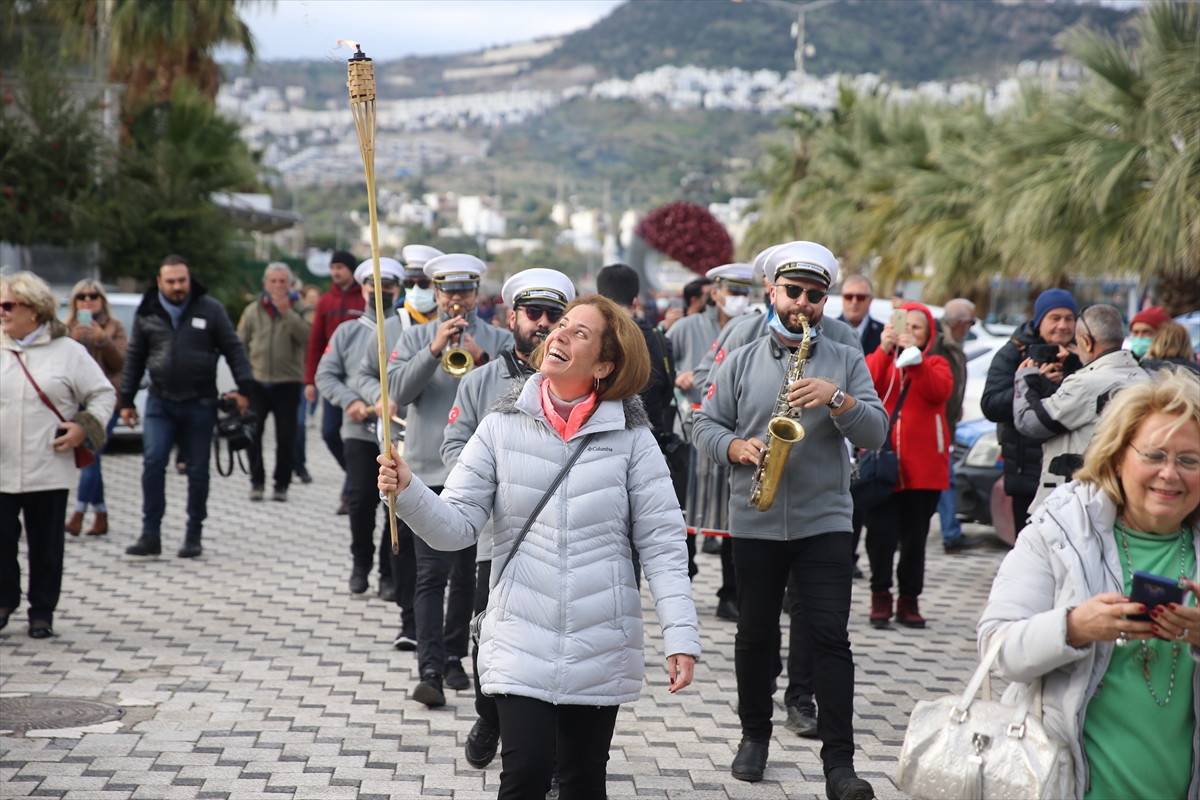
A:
[(83, 317), (1153, 590), (1043, 353), (899, 321)]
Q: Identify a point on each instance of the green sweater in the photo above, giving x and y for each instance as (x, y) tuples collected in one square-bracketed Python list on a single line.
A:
[(277, 344)]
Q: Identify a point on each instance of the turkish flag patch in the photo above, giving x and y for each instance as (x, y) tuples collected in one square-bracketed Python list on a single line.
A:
[(392, 357), (453, 415), (711, 389), (720, 356), (328, 347), (713, 345)]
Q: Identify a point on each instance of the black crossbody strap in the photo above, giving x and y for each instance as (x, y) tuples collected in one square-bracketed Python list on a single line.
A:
[(887, 443), (542, 503)]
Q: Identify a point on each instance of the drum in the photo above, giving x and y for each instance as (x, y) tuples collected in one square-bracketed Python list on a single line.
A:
[(708, 497)]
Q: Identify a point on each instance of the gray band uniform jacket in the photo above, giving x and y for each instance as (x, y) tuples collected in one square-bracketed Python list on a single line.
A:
[(416, 379), (1069, 411), (751, 327), (478, 391), (337, 372), (365, 378), (814, 495), (690, 338), (564, 622)]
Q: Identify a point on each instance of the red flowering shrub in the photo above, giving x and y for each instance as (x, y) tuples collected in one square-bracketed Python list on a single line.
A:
[(689, 234)]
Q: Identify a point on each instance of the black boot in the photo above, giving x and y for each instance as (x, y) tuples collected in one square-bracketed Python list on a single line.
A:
[(145, 546), (191, 548), (843, 783), (751, 760), (358, 579)]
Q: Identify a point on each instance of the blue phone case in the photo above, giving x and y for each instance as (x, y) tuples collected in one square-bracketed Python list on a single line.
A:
[(1153, 590)]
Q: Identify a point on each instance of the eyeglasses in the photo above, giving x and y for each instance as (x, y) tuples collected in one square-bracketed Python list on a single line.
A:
[(8, 307), (387, 285), (534, 313), (1187, 462), (88, 296), (793, 291), (853, 298), (410, 283)]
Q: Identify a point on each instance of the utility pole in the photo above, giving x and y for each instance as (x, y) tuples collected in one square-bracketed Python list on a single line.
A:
[(798, 28)]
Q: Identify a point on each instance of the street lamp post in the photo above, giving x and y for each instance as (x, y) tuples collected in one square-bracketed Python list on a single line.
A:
[(798, 28)]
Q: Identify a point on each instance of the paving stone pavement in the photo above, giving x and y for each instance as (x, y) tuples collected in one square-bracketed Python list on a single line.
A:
[(266, 678)]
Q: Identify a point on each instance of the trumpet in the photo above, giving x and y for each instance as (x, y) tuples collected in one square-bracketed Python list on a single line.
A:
[(783, 431), (456, 361)]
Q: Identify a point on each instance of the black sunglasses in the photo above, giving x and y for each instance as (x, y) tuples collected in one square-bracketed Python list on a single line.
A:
[(8, 307), (88, 296), (793, 291), (410, 283), (534, 313), (387, 285)]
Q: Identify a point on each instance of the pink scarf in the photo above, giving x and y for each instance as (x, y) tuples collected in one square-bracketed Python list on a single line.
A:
[(579, 414)]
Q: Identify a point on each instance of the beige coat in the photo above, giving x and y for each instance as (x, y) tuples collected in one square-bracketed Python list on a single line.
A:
[(108, 347), (277, 344), (73, 381)]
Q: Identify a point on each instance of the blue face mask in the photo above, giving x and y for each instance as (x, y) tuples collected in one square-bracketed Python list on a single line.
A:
[(776, 325), (1140, 345), (423, 300)]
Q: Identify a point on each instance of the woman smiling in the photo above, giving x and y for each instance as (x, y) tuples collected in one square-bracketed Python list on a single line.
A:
[(561, 643)]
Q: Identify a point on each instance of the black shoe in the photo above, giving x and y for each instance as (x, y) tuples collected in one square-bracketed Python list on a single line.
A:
[(857, 573), (711, 545), (429, 690), (256, 494), (4, 615), (727, 609), (960, 543), (358, 579), (279, 495), (406, 641), (145, 546), (482, 742), (343, 508), (456, 676), (843, 783), (554, 786), (802, 720), (40, 629), (303, 475), (750, 761), (191, 548), (387, 590)]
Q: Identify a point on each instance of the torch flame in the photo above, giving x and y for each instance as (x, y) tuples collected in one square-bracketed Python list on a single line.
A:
[(350, 42)]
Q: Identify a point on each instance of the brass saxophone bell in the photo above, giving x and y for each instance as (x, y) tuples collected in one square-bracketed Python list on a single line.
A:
[(456, 361)]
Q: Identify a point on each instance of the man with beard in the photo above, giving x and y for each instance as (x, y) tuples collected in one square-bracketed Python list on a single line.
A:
[(806, 533), (534, 301), (416, 379), (334, 379)]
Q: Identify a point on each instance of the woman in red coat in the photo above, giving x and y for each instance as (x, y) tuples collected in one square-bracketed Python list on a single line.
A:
[(921, 440)]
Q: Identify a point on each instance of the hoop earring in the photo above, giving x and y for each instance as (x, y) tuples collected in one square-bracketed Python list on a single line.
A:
[(596, 385)]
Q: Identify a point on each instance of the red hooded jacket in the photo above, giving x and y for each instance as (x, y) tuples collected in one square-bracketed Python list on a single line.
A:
[(921, 436), (334, 308)]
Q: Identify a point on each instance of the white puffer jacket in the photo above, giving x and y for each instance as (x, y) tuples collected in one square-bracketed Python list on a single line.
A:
[(564, 623), (1064, 556)]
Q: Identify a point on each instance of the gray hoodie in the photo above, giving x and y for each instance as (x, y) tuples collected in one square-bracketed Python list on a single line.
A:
[(416, 379), (337, 378), (814, 495)]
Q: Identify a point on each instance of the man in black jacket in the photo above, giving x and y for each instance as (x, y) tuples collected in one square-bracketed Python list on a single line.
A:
[(1053, 323), (178, 334)]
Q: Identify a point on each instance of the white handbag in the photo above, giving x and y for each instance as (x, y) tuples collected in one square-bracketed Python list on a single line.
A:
[(958, 748)]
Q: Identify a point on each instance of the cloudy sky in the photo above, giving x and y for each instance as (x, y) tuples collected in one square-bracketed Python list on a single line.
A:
[(395, 28)]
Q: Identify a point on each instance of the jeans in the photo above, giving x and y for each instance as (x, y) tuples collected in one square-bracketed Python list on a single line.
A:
[(91, 480), (280, 399), (441, 635), (533, 732), (900, 521), (362, 472), (45, 513), (820, 567), (331, 432), (947, 503), (192, 423), (302, 411), (485, 706)]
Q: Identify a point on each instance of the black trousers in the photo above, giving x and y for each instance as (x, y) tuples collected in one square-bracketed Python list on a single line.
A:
[(533, 732), (45, 514), (820, 566), (799, 690), (485, 706), (1020, 506), (728, 589), (282, 400), (403, 571), (901, 521), (362, 472), (443, 625)]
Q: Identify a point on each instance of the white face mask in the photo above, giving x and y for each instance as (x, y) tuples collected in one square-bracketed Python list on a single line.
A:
[(423, 300), (735, 305), (910, 357), (663, 303)]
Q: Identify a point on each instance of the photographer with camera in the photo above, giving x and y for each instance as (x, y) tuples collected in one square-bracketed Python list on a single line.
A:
[(178, 334)]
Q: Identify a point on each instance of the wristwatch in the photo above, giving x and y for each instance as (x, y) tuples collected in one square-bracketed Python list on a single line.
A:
[(836, 401)]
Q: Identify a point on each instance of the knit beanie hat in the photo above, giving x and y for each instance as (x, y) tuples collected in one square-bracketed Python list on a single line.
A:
[(1049, 300), (1154, 316)]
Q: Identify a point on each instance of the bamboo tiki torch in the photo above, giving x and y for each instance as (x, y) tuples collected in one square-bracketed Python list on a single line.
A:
[(360, 72)]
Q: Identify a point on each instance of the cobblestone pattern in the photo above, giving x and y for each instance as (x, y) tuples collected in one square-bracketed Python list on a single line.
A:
[(270, 680)]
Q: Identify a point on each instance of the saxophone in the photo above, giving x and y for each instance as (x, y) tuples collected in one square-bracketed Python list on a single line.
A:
[(783, 431)]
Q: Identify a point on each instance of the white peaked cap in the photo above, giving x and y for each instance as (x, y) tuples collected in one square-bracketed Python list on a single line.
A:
[(455, 268), (538, 286), (416, 255), (803, 260), (760, 261), (389, 269), (743, 273)]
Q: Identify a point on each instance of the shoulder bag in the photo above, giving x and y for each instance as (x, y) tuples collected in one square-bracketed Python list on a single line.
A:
[(83, 456), (878, 470), (477, 620), (958, 748)]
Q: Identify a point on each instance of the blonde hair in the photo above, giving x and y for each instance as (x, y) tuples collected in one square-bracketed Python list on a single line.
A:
[(34, 292), (87, 284), (1172, 341), (1174, 394), (621, 343)]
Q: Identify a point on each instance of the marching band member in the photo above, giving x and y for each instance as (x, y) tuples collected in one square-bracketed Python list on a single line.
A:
[(806, 533)]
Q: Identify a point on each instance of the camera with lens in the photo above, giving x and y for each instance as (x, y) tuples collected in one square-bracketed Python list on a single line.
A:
[(236, 430)]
